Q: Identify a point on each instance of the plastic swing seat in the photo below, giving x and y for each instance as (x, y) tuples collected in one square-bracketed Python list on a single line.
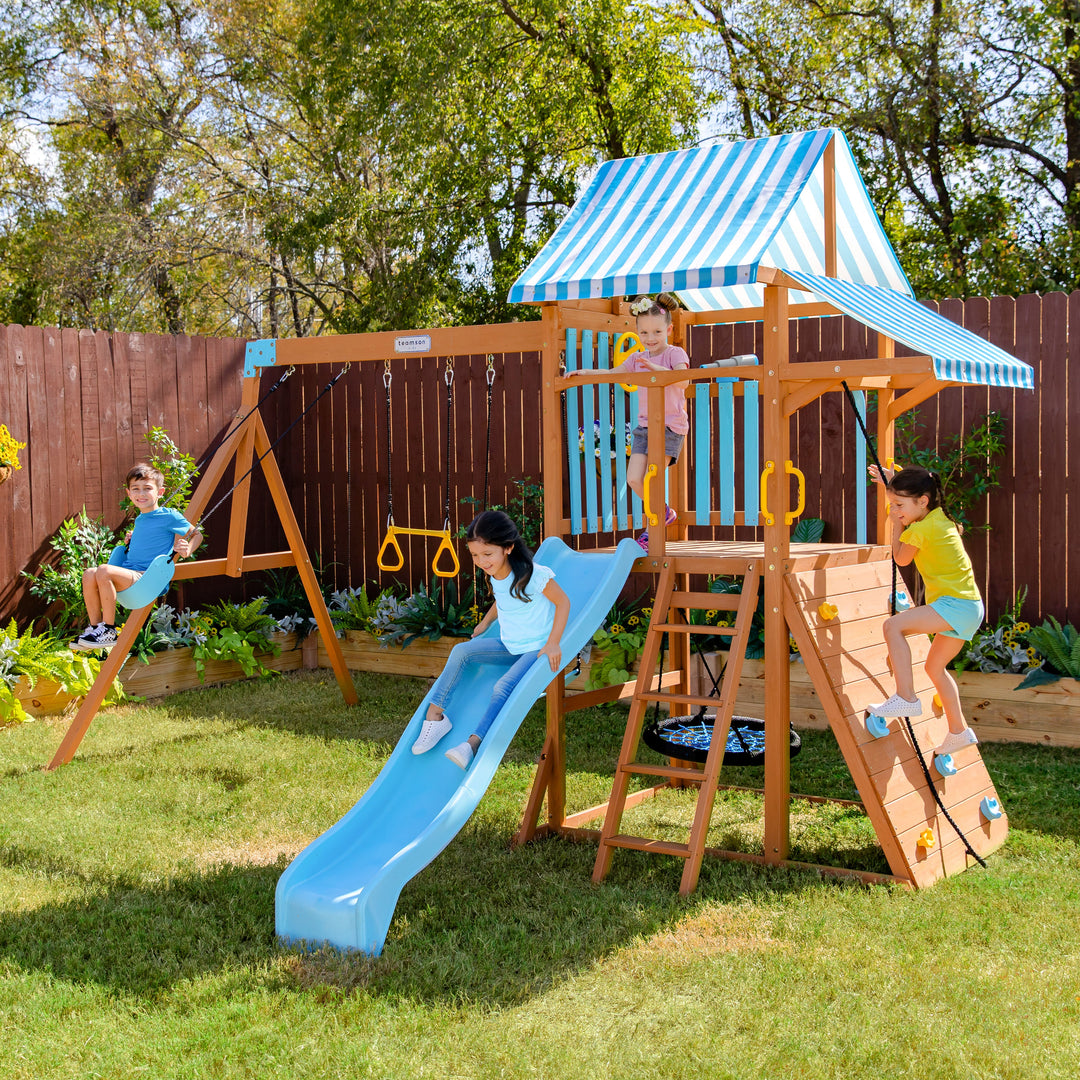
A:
[(153, 583), (688, 738)]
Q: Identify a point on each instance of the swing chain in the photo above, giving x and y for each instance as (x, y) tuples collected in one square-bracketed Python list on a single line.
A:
[(449, 375), (490, 371), (387, 379)]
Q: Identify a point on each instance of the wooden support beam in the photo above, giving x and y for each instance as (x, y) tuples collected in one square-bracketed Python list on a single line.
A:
[(794, 400), (776, 448), (304, 568), (238, 512), (829, 185), (200, 568), (916, 396), (442, 341), (871, 367)]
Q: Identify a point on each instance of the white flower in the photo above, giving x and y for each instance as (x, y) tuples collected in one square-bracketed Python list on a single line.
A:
[(641, 305)]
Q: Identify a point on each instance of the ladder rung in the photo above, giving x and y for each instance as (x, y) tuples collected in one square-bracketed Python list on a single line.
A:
[(675, 772), (706, 601), (678, 699), (693, 628), (642, 843)]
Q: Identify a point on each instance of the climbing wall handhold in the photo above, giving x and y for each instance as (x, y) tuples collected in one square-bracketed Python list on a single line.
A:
[(945, 764), (926, 839), (828, 611), (990, 808), (878, 726)]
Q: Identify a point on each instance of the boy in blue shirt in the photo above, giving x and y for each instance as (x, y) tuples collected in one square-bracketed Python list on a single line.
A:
[(157, 529)]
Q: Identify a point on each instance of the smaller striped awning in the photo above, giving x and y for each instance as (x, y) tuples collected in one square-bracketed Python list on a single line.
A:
[(959, 355)]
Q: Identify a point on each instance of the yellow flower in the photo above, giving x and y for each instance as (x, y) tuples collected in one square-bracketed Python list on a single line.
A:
[(617, 628), (1032, 654), (1022, 627), (9, 448), (633, 620)]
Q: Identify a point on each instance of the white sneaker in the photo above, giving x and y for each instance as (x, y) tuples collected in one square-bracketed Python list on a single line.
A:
[(430, 733), (896, 706), (461, 755), (957, 740)]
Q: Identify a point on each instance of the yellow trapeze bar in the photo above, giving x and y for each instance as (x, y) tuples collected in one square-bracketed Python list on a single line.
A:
[(391, 543)]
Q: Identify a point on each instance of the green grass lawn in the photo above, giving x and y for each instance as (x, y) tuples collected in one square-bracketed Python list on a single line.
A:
[(137, 917)]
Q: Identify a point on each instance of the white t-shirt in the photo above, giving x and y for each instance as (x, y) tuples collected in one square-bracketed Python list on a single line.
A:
[(525, 627)]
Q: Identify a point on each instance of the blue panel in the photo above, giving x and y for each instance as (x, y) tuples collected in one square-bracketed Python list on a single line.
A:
[(751, 454), (725, 465), (702, 454), (588, 427), (572, 449), (860, 473), (607, 438), (622, 404), (259, 354)]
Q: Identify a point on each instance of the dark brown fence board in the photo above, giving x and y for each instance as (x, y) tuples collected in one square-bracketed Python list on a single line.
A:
[(1071, 459), (1026, 407), (11, 553), (1053, 535)]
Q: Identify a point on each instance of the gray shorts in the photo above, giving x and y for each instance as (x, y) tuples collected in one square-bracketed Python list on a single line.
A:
[(673, 442)]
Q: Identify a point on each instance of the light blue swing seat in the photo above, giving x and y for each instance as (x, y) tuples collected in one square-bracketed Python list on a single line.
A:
[(154, 582)]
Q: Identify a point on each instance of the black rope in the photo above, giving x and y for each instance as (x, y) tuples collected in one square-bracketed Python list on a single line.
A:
[(449, 380), (387, 379), (490, 376), (937, 798), (892, 606), (328, 387)]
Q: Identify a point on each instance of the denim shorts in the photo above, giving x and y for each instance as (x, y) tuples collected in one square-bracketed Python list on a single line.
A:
[(673, 442), (964, 616)]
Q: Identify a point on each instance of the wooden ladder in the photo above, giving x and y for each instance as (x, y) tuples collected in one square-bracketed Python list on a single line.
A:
[(669, 604)]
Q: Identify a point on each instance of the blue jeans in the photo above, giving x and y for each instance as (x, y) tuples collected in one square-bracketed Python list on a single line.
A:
[(482, 650)]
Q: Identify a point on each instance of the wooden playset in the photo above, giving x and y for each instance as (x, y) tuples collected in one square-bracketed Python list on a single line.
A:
[(764, 231)]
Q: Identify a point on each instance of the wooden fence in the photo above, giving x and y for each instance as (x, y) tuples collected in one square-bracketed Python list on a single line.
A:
[(83, 400)]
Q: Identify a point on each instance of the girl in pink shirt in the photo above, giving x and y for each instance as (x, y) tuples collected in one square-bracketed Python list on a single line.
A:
[(654, 330)]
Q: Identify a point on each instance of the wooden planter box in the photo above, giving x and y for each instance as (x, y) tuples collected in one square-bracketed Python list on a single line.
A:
[(46, 699), (174, 669), (1048, 714), (362, 652)]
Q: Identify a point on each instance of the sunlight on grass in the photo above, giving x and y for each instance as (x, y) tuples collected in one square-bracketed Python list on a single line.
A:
[(137, 917)]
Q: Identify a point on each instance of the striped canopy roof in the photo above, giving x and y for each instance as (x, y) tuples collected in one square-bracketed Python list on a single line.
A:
[(700, 222)]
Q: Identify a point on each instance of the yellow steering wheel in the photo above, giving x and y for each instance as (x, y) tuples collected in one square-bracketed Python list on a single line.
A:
[(625, 345)]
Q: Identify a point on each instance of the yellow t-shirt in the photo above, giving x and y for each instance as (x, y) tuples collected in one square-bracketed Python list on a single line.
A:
[(941, 558)]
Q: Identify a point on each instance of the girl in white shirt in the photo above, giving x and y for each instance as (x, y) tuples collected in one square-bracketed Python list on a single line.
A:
[(532, 611)]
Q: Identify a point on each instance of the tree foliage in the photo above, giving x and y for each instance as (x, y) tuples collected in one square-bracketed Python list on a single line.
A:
[(276, 169)]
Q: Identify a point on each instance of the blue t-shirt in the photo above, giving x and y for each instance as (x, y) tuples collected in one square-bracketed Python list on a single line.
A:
[(525, 627), (152, 535)]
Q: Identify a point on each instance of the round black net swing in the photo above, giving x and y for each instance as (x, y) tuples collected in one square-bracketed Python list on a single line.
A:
[(688, 738)]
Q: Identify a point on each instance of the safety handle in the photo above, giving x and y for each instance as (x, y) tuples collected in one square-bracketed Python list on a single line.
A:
[(448, 547), (390, 543), (625, 344), (791, 470), (650, 517), (769, 469)]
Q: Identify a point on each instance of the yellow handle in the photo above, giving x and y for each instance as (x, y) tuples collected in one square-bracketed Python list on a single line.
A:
[(391, 543), (625, 344), (650, 517), (828, 611), (769, 469), (448, 547), (791, 515)]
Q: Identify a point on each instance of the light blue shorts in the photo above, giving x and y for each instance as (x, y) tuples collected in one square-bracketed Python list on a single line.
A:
[(964, 616)]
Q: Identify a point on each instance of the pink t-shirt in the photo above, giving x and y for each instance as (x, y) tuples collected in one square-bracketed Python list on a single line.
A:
[(675, 416)]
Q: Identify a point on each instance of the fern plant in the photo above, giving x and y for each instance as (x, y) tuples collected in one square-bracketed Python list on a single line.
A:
[(433, 612), (1060, 645), (42, 656), (238, 632), (352, 609)]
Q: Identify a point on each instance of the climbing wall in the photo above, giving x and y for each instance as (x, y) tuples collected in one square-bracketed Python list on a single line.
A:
[(845, 654)]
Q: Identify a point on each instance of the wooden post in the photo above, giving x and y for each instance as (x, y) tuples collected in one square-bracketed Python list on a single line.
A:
[(776, 439), (551, 419), (886, 440), (829, 184), (239, 509)]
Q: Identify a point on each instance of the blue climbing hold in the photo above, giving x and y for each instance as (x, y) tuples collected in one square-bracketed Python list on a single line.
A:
[(990, 808), (878, 726), (945, 764)]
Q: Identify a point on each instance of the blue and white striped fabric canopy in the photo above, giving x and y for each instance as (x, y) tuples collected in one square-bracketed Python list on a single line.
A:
[(699, 222), (958, 354)]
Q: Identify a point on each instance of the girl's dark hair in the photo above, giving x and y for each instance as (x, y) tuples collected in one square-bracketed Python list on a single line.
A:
[(498, 529), (915, 481), (663, 306)]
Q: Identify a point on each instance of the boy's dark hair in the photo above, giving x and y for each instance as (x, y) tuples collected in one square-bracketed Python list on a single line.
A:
[(498, 529), (141, 471)]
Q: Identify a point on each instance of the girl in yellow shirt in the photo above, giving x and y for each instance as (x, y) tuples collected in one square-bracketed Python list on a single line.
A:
[(924, 533)]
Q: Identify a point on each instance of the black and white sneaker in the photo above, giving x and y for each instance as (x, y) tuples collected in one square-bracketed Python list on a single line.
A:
[(95, 637)]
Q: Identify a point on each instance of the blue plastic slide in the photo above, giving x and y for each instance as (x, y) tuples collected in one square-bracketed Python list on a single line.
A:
[(343, 887)]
